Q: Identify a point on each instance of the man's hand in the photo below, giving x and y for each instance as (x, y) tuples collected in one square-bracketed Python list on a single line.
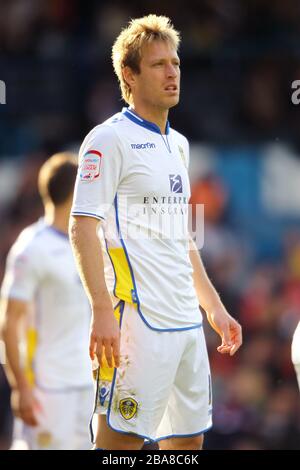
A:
[(227, 328), (27, 406), (105, 338)]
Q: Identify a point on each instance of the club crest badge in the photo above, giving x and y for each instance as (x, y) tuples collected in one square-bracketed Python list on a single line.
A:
[(128, 408), (44, 439)]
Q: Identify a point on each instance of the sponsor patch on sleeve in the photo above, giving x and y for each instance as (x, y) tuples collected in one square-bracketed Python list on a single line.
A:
[(90, 165)]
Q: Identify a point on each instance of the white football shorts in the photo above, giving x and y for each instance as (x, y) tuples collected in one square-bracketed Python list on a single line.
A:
[(63, 419), (162, 388)]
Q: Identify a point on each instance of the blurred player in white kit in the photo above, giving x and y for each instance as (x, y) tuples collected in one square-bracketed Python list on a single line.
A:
[(42, 290), (296, 352)]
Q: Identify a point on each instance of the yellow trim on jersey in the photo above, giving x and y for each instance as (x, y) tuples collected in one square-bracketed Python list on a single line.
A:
[(124, 283), (32, 337), (106, 372)]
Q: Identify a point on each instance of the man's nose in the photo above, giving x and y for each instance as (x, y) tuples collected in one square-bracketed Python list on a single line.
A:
[(172, 71)]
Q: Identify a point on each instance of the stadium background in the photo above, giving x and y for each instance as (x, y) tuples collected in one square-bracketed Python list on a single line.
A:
[(239, 59)]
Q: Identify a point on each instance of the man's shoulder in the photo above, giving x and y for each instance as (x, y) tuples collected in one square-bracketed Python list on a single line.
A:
[(179, 137), (109, 128), (30, 240), (107, 137), (115, 121)]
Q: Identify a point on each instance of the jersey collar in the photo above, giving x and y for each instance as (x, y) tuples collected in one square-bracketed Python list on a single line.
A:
[(134, 117), (57, 232)]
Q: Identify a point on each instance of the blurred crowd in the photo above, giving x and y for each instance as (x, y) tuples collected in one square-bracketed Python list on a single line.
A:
[(257, 403), (238, 62), (256, 400)]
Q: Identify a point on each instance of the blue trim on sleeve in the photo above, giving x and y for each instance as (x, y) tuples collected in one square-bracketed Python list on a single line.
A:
[(57, 232), (89, 214), (198, 325)]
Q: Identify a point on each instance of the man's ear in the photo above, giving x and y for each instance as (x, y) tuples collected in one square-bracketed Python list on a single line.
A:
[(128, 76)]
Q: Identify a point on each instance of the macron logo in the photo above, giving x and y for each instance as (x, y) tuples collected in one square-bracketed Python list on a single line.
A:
[(147, 145)]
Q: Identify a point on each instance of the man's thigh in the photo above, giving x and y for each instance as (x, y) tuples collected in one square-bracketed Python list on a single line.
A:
[(108, 439), (182, 443)]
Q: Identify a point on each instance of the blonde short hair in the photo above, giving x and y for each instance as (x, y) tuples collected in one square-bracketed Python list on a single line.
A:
[(126, 50)]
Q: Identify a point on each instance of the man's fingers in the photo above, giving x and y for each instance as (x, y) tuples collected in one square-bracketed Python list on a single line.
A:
[(234, 349), (224, 349), (236, 346), (100, 354), (92, 347), (98, 351), (38, 406), (116, 352), (235, 339), (108, 353), (226, 338), (28, 417), (108, 349), (238, 340)]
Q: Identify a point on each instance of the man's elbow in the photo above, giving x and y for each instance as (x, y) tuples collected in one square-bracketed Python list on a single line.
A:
[(3, 317), (4, 332), (7, 325), (80, 226), (12, 311), (72, 226)]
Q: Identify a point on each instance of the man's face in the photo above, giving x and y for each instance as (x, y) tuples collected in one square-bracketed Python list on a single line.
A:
[(158, 83)]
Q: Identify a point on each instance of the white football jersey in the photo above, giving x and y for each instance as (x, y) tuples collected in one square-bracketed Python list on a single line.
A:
[(135, 179), (296, 347), (41, 270)]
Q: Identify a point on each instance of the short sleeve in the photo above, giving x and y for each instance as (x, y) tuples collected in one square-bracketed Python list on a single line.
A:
[(99, 173), (22, 275)]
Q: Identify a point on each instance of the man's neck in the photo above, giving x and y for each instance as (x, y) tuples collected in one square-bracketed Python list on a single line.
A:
[(57, 217), (156, 115)]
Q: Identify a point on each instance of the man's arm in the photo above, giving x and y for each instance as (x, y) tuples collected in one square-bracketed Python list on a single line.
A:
[(224, 324), (13, 311), (105, 331)]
